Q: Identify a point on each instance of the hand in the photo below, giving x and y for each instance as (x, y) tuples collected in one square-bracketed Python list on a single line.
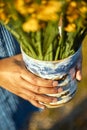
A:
[(17, 79), (76, 72), (79, 69)]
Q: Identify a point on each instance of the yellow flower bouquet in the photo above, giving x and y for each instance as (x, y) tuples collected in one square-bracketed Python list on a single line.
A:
[(46, 29)]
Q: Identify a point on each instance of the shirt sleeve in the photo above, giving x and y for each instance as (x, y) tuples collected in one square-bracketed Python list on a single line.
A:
[(8, 44)]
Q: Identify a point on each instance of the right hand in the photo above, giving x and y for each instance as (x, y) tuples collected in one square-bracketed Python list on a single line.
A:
[(79, 69), (17, 79)]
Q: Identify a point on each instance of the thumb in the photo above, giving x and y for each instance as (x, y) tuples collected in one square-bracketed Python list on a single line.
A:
[(79, 70), (79, 75)]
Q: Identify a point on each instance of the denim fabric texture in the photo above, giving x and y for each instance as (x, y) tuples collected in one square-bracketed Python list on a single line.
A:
[(13, 110)]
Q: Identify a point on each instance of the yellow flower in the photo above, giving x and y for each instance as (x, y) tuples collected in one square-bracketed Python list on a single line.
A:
[(4, 18), (83, 9), (71, 18), (49, 11), (51, 7), (31, 25), (32, 8), (47, 17), (2, 4), (43, 1), (20, 6), (1, 10), (70, 27), (27, 1), (3, 15), (73, 4)]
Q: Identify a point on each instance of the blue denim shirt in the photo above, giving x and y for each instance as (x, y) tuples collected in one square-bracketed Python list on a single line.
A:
[(8, 44), (13, 110)]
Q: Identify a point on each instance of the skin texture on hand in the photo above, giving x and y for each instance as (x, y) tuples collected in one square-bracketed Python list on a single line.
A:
[(17, 79)]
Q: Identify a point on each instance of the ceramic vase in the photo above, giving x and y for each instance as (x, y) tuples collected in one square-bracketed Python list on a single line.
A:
[(61, 70)]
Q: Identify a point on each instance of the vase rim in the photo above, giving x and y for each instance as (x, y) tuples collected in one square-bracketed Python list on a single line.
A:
[(53, 61)]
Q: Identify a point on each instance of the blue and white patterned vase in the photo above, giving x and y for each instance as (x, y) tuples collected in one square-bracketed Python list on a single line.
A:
[(61, 70)]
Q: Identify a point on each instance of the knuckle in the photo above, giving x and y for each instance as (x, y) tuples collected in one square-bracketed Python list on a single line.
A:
[(55, 90), (33, 78), (48, 99), (34, 97), (38, 90)]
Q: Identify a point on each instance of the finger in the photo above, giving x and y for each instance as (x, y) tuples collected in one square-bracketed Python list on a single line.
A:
[(79, 75), (38, 97), (39, 89), (79, 70), (28, 76), (37, 104), (33, 102)]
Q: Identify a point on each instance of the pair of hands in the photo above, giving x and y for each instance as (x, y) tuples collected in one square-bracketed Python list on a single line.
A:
[(17, 79)]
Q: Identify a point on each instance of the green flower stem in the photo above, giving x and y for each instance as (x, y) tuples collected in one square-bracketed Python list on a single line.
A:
[(57, 53), (38, 1), (49, 54), (38, 42), (22, 39), (50, 36), (27, 42), (61, 44)]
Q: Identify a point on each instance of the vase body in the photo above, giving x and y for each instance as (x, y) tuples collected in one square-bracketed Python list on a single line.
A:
[(61, 70)]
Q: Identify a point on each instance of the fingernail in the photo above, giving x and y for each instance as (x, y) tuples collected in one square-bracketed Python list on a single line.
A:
[(55, 83), (60, 90), (54, 100)]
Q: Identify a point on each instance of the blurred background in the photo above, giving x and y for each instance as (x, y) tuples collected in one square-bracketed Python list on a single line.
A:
[(72, 115)]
